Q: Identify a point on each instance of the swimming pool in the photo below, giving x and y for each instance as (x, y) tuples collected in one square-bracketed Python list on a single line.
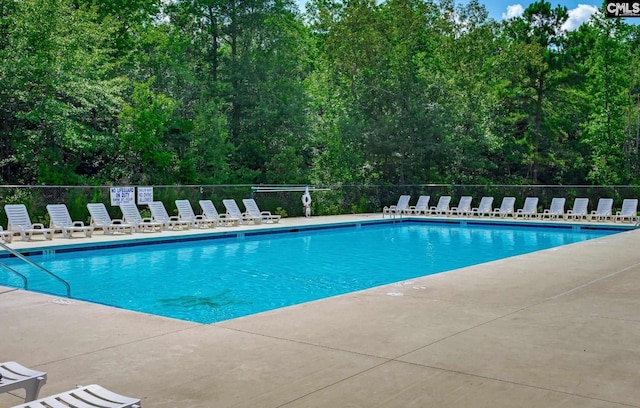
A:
[(212, 280)]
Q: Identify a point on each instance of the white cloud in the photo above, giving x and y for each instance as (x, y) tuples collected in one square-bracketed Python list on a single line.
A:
[(513, 11), (579, 15)]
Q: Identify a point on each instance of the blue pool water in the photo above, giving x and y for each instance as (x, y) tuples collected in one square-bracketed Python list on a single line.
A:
[(213, 280)]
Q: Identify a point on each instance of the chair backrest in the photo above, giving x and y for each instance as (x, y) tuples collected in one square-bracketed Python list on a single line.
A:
[(158, 212), (130, 213), (185, 211), (209, 210), (251, 206), (423, 203), (486, 204), (443, 203), (403, 202), (17, 216), (232, 208), (530, 205), (557, 205), (508, 204), (59, 215), (605, 205), (465, 203), (629, 207), (99, 214), (580, 206)]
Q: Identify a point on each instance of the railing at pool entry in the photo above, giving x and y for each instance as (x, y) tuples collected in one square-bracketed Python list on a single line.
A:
[(25, 281), (35, 265)]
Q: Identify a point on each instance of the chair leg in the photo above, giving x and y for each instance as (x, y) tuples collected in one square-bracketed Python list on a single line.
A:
[(33, 389)]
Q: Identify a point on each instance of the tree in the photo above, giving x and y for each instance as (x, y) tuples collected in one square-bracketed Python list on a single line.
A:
[(612, 100), (538, 42), (59, 95), (247, 57), (473, 71)]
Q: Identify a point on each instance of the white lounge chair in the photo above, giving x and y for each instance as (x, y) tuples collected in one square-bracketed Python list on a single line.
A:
[(185, 213), (100, 219), (159, 214), (442, 208), (88, 396), (421, 207), (629, 210), (555, 210), (18, 377), (131, 215), (211, 213), (393, 210), (60, 220), (484, 208), (506, 208), (604, 210), (463, 208), (19, 221), (233, 211), (580, 209), (529, 209), (253, 210)]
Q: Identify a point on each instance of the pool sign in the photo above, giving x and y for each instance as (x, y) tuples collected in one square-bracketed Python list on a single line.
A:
[(122, 195), (617, 9), (145, 195)]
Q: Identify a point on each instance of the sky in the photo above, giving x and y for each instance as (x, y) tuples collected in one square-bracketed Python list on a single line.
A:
[(579, 11)]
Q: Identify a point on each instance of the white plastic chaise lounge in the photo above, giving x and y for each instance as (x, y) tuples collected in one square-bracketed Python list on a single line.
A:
[(185, 213), (604, 210), (555, 210), (421, 207), (233, 211), (131, 215), (397, 209), (19, 221), (507, 208), (100, 219), (579, 211), (442, 208), (254, 211), (60, 220), (529, 209), (88, 396), (159, 214), (484, 209), (628, 212), (210, 212), (17, 377), (463, 208)]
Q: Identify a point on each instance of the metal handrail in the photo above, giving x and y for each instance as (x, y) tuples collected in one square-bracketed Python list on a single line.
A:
[(278, 189), (10, 269), (35, 265)]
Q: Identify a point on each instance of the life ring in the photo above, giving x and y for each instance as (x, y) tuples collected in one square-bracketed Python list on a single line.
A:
[(306, 199)]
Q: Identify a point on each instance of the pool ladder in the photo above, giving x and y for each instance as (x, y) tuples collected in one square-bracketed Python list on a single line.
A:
[(35, 265)]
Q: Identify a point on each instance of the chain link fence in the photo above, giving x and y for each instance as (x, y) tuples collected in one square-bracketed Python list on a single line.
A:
[(286, 199)]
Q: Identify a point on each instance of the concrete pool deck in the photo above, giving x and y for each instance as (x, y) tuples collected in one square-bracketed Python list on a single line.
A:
[(559, 327)]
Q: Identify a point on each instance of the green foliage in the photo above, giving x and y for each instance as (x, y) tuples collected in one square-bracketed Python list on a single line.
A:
[(353, 92), (143, 133), (281, 212)]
